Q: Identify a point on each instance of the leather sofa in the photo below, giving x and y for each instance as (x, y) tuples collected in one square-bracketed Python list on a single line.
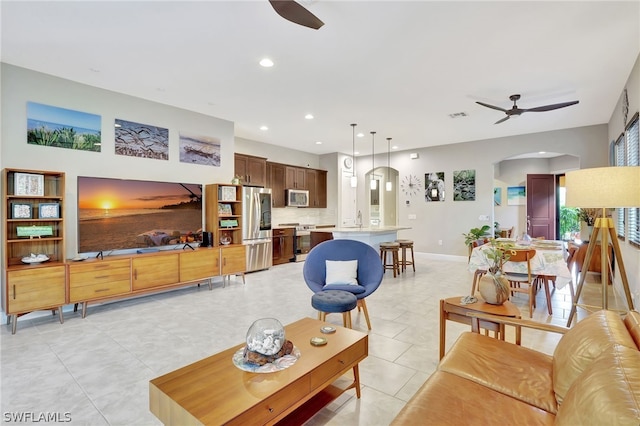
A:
[(593, 378)]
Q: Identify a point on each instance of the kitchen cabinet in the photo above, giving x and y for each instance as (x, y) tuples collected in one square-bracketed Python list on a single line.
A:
[(283, 177), (295, 177), (317, 185), (283, 249), (251, 170), (276, 181)]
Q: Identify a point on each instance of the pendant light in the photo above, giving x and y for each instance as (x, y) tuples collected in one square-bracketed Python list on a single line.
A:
[(373, 181), (388, 185), (354, 178)]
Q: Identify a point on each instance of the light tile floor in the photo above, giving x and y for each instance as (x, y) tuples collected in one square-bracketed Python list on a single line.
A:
[(96, 370)]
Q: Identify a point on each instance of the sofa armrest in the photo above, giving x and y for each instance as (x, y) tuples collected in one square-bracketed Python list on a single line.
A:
[(476, 316)]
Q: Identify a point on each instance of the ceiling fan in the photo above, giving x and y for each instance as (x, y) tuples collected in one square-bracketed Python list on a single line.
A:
[(517, 111), (296, 13)]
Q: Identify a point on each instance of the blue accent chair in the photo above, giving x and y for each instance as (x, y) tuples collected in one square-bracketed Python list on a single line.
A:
[(369, 275)]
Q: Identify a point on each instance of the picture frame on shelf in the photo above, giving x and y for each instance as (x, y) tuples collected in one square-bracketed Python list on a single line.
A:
[(49, 210), (227, 193), (224, 209), (34, 231), (228, 223), (21, 210), (29, 184)]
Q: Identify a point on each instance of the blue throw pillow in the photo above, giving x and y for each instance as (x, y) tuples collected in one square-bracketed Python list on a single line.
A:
[(355, 289)]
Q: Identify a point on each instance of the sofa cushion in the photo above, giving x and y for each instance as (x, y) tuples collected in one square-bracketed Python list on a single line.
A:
[(581, 345), (449, 399), (516, 371), (606, 393)]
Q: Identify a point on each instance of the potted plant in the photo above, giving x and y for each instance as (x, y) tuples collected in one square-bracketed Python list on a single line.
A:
[(476, 234), (494, 287)]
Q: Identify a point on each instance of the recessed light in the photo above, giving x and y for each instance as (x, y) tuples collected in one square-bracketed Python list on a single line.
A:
[(266, 62), (264, 128), (357, 152), (542, 152), (394, 147), (309, 116), (318, 143), (360, 135), (117, 125)]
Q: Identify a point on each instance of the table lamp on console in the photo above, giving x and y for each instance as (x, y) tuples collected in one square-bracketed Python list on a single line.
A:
[(603, 188)]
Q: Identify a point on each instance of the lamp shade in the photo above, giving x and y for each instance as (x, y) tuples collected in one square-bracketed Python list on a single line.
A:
[(603, 187)]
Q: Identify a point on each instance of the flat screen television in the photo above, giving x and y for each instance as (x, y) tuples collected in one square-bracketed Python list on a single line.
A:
[(121, 214)]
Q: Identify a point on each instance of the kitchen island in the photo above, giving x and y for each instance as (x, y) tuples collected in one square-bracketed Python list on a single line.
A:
[(372, 235)]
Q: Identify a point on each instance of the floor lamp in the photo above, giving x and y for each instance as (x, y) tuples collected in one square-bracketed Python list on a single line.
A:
[(605, 188)]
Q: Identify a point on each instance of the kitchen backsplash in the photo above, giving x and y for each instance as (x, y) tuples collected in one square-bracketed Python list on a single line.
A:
[(303, 216)]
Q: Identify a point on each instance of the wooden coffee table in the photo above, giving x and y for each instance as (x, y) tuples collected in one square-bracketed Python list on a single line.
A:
[(453, 310), (215, 391)]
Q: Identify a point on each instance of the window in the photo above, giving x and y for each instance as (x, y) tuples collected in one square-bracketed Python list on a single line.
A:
[(619, 160), (633, 159)]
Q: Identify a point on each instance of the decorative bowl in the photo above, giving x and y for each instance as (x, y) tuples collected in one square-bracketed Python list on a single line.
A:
[(265, 336), (39, 258)]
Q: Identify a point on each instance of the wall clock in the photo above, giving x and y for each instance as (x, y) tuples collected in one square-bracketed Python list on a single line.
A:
[(348, 162), (410, 185)]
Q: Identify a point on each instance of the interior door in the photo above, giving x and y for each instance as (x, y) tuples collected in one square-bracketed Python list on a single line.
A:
[(541, 206)]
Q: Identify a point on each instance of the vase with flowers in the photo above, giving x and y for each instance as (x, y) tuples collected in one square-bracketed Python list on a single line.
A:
[(493, 286), (587, 219)]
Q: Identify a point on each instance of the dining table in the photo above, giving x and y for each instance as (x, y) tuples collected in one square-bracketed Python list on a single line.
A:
[(549, 260)]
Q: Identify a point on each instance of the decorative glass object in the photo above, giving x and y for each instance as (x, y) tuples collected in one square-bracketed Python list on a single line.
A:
[(265, 336)]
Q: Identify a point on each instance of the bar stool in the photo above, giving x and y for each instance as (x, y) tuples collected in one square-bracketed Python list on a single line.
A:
[(404, 245), (393, 249)]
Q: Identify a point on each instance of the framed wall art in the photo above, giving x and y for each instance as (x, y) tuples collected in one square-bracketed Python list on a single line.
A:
[(28, 184), (516, 196), (49, 210), (21, 211)]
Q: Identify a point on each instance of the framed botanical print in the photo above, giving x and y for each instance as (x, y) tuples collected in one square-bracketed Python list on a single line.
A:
[(21, 211), (49, 210), (28, 184)]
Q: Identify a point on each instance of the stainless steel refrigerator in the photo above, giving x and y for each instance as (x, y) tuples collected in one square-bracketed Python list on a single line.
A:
[(256, 227)]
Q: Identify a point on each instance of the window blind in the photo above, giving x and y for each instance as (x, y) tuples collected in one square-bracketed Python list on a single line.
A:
[(633, 159), (619, 160)]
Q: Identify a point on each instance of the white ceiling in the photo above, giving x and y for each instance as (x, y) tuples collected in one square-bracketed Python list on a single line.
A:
[(397, 68)]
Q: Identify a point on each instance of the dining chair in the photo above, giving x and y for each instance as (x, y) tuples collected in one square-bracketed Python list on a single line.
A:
[(527, 283)]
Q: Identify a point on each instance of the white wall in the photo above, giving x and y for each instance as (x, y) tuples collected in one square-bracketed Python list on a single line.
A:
[(448, 220), (20, 85)]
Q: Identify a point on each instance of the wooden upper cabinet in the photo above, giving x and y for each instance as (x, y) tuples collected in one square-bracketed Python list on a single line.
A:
[(276, 181), (317, 185), (282, 177), (295, 177), (251, 170)]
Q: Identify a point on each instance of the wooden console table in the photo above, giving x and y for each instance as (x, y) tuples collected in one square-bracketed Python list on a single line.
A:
[(214, 391)]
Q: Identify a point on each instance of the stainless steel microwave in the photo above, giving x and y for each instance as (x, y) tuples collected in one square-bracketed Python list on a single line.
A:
[(297, 198)]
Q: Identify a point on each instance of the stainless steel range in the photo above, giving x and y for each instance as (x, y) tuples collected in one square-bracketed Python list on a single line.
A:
[(302, 241)]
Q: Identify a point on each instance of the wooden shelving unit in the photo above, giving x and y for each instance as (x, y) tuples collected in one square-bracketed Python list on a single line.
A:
[(23, 210), (223, 212), (33, 223)]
